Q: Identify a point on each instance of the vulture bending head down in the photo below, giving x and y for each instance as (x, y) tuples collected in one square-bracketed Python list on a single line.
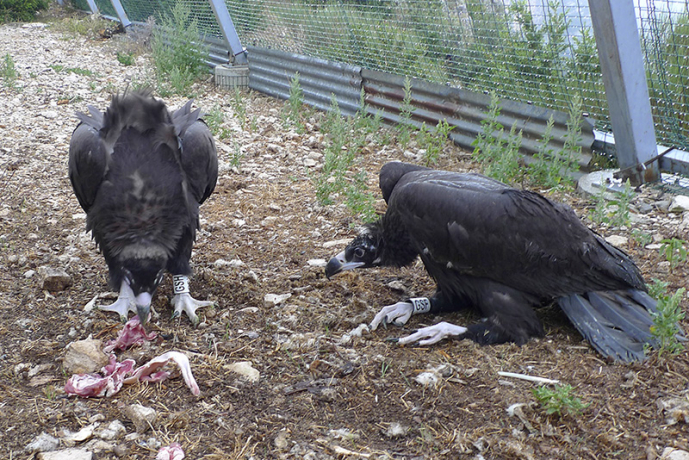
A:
[(140, 173), (501, 251)]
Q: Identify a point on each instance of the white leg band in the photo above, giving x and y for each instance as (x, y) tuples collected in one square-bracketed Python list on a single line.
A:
[(421, 305), (180, 284)]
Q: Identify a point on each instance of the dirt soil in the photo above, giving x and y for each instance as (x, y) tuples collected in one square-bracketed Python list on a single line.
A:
[(321, 392)]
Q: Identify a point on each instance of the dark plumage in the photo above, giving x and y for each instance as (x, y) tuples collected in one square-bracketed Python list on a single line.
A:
[(503, 251), (140, 173)]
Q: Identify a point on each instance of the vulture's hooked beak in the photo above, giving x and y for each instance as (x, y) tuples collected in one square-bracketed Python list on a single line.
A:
[(339, 263), (143, 306)]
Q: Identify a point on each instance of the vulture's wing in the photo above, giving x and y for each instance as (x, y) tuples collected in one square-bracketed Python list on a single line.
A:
[(479, 227), (199, 157), (88, 159)]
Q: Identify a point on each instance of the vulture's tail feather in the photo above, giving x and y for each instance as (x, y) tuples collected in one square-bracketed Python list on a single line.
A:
[(616, 323)]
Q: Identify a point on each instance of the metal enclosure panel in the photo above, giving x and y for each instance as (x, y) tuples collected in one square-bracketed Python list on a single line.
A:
[(465, 110), (626, 90), (271, 72)]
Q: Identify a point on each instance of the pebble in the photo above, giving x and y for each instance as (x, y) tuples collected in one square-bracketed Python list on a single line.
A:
[(141, 416), (67, 454), (84, 357), (244, 369), (42, 443)]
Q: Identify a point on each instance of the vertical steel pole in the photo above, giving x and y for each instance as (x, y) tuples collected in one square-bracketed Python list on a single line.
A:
[(619, 50), (228, 30), (121, 13), (93, 6)]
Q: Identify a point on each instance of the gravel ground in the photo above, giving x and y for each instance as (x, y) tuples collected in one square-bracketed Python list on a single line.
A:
[(283, 378)]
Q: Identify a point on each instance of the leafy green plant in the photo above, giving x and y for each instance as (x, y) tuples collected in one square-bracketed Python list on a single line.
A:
[(214, 118), (498, 154), (178, 51), (674, 250), (239, 106), (8, 71), (559, 400), (665, 327), (21, 10), (552, 168), (336, 176), (126, 59), (641, 237), (237, 156), (74, 70), (292, 113), (433, 141), (614, 212), (405, 127), (658, 289)]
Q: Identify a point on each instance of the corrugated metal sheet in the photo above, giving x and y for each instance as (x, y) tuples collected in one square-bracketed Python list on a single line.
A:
[(271, 71), (465, 110)]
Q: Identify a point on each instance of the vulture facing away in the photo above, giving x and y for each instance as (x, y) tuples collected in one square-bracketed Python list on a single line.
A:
[(140, 173), (501, 251)]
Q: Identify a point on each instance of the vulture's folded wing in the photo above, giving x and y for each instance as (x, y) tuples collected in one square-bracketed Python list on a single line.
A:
[(87, 161), (480, 227), (199, 157)]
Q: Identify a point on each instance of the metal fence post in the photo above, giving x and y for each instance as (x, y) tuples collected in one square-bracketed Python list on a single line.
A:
[(626, 90), (93, 6), (222, 15), (124, 20)]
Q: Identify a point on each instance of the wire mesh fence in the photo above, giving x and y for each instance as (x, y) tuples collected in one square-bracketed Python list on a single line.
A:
[(536, 51)]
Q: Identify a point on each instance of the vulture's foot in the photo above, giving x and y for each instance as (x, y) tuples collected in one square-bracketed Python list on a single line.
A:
[(124, 303), (397, 314), (184, 302), (433, 334)]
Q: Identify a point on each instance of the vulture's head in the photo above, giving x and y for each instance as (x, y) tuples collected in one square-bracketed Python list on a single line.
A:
[(363, 252), (143, 275)]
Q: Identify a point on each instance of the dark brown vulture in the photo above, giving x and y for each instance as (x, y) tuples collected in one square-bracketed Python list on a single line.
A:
[(140, 173), (501, 251)]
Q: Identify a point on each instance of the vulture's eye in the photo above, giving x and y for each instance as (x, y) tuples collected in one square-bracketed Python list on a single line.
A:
[(359, 252)]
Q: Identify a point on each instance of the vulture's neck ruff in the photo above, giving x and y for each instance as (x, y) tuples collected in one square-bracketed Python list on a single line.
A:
[(395, 248)]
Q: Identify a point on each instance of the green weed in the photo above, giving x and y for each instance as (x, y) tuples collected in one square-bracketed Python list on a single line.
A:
[(74, 70), (126, 59), (405, 127), (295, 105), (613, 212), (178, 51), (674, 250), (433, 141), (559, 400), (498, 154), (339, 162), (214, 119), (8, 71), (665, 327), (239, 107)]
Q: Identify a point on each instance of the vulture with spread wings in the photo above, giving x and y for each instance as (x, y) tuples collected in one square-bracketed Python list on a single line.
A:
[(141, 173), (501, 251)]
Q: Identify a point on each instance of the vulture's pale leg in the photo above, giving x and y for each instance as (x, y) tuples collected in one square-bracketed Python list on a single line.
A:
[(433, 334), (184, 302), (124, 303), (397, 314)]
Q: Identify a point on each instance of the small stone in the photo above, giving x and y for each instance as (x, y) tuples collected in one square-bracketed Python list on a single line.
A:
[(84, 357), (67, 454), (70, 439), (679, 204), (617, 240), (141, 416), (54, 279), (50, 114), (42, 443), (281, 440), (396, 430), (114, 430), (271, 300), (670, 453), (245, 370), (317, 262)]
